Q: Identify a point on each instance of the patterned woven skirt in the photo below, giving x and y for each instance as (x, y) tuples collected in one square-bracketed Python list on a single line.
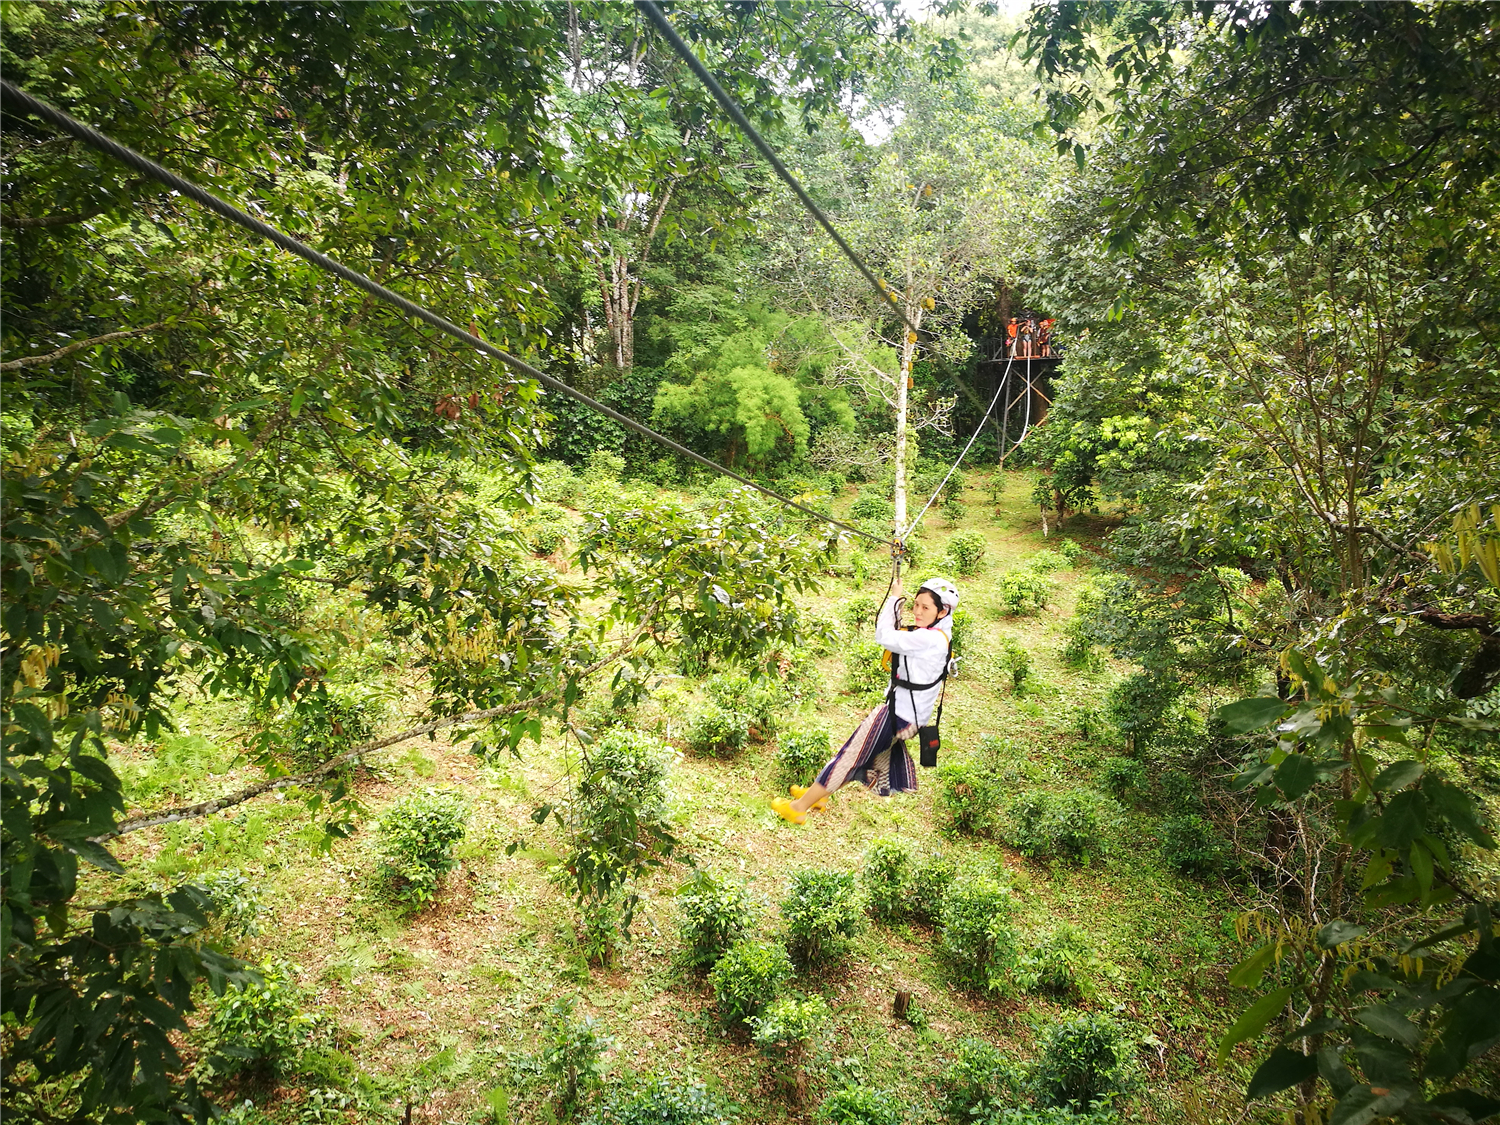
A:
[(875, 746)]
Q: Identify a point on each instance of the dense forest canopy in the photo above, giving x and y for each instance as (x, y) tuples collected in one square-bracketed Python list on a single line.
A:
[(1266, 235)]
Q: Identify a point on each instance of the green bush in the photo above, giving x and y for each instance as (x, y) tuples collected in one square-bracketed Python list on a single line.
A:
[(1045, 561), (963, 630), (417, 836), (966, 552), (546, 530), (715, 913), (1057, 962), (572, 1056), (1191, 845), (786, 1032), (661, 1101), (870, 507), (347, 717), (1121, 775), (717, 733), (259, 1026), (1084, 1063), (617, 827), (976, 932), (967, 797), (1024, 592), (1138, 705), (888, 879), (860, 1105), (979, 1081), (821, 911), (237, 905), (864, 674), (1050, 1115), (1015, 661), (1068, 826), (858, 613), (954, 509), (603, 467), (555, 482), (747, 978), (759, 700), (802, 754), (931, 877), (1070, 551)]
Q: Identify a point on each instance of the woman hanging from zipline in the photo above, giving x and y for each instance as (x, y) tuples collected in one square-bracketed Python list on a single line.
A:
[(877, 748)]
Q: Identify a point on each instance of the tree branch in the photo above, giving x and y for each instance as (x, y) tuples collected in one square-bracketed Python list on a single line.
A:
[(61, 353)]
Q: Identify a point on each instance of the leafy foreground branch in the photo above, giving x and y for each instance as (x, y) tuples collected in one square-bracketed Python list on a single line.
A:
[(271, 785)]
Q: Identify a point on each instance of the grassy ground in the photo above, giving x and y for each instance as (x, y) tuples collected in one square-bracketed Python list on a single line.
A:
[(438, 1009)]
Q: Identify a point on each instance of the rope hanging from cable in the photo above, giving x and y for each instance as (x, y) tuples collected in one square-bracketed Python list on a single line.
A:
[(129, 157)]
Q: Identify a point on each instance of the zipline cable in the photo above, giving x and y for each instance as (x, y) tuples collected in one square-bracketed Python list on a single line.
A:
[(128, 156), (998, 392), (711, 84)]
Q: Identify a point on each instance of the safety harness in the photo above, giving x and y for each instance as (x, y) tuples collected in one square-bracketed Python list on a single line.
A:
[(929, 739)]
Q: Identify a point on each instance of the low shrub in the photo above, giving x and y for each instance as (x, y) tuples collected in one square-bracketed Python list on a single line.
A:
[(759, 700), (1015, 661), (715, 913), (932, 875), (870, 507), (571, 1059), (888, 879), (976, 932), (966, 552), (1024, 592), (717, 733), (858, 613), (1138, 706), (259, 1026), (1071, 551), (785, 1033), (967, 797), (979, 1081), (546, 531), (1050, 1115), (1120, 776), (1191, 845), (963, 630), (555, 482), (661, 1101), (1057, 962), (801, 754), (1084, 1063), (1068, 826), (347, 717), (864, 674), (821, 911), (1046, 561), (747, 978), (237, 907), (417, 836), (860, 1105), (954, 509)]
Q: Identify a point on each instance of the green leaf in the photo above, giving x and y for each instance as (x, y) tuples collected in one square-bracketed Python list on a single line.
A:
[(1253, 1020), (540, 813), (1251, 714), (1398, 775), (1296, 774), (1404, 819), (1362, 1105), (1284, 1068), (1385, 1021), (1338, 931), (1248, 973), (1457, 808)]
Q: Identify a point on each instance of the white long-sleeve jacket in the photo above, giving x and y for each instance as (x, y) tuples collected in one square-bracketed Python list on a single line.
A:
[(922, 654)]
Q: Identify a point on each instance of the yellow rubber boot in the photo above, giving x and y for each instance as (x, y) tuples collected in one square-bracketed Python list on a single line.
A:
[(783, 808), (820, 805)]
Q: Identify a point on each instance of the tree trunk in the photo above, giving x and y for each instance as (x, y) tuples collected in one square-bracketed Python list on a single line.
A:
[(903, 379)]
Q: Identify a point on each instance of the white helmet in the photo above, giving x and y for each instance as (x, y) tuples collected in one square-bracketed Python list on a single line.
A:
[(943, 590)]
